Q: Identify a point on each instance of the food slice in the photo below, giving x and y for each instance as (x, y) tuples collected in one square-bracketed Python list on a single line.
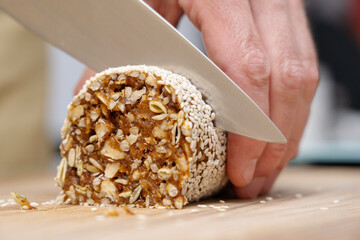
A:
[(142, 136)]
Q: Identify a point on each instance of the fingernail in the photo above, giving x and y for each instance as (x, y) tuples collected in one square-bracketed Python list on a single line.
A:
[(269, 182), (252, 189), (249, 171)]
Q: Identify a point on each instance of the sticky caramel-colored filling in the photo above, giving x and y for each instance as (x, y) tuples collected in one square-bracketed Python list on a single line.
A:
[(126, 141)]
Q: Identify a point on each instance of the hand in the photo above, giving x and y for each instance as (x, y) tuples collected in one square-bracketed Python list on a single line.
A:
[(266, 48)]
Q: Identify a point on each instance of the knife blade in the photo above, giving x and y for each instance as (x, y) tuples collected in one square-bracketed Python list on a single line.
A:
[(111, 33)]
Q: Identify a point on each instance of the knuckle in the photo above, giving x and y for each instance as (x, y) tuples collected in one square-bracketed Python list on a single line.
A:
[(277, 151), (292, 74), (257, 66)]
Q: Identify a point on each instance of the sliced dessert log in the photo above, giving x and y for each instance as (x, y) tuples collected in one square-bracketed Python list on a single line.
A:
[(143, 136)]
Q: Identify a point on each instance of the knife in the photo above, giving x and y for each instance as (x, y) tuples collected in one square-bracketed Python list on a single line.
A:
[(111, 33)]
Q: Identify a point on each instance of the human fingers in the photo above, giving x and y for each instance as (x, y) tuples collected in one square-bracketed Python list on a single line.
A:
[(309, 58), (287, 79), (233, 43), (168, 9), (88, 73)]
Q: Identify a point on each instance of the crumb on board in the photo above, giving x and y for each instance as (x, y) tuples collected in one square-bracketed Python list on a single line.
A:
[(111, 212), (298, 195), (20, 199), (202, 205), (262, 201), (114, 212)]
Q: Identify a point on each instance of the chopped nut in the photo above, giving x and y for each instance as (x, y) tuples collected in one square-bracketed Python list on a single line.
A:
[(164, 173), (179, 203), (112, 104), (136, 175), (167, 202), (94, 86), (66, 128), (20, 199), (121, 106), (142, 76), (124, 146), (173, 134), (102, 128), (122, 181), (87, 96), (128, 91), (94, 116), (134, 130), (181, 163), (150, 80), (111, 169), (80, 189), (115, 96), (81, 123), (154, 167), (61, 172), (147, 201), (125, 194), (102, 98), (96, 164), (79, 166), (171, 189), (161, 149), (132, 139), (108, 189), (180, 119), (187, 150), (111, 152), (130, 117), (157, 107), (76, 112), (160, 116), (71, 157), (67, 144), (134, 74), (121, 79), (186, 130), (71, 194), (93, 138), (168, 89), (135, 195), (173, 116), (159, 133), (136, 95), (90, 148), (91, 168), (119, 134)]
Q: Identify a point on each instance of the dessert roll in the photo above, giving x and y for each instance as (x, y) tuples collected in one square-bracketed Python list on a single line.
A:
[(141, 136)]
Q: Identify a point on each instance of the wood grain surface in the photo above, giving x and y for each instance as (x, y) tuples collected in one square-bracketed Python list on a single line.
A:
[(306, 203)]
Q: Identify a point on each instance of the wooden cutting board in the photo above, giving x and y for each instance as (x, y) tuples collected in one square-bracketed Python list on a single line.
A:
[(307, 203)]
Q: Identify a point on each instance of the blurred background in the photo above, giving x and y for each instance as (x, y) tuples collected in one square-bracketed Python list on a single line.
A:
[(37, 83)]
